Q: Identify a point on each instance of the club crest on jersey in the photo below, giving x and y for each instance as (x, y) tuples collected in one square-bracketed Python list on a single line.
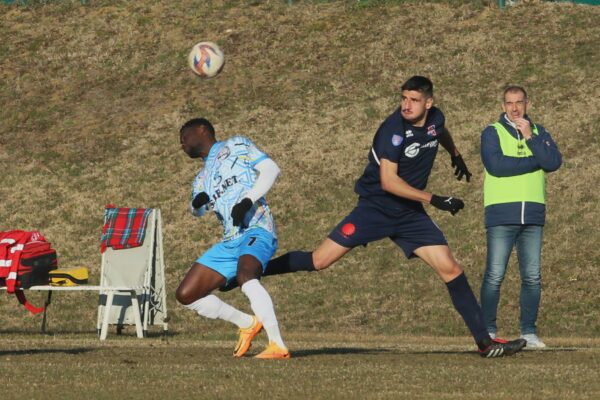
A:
[(397, 140), (431, 130), (224, 153)]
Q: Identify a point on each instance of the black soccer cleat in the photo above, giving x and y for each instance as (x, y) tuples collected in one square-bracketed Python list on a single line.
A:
[(500, 348)]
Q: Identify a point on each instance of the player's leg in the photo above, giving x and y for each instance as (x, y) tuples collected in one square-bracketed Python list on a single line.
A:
[(500, 241), (419, 236), (442, 261), (363, 225), (199, 282), (256, 249), (326, 254), (194, 292), (529, 252)]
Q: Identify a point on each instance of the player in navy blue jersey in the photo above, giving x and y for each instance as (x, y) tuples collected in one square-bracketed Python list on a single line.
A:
[(390, 205)]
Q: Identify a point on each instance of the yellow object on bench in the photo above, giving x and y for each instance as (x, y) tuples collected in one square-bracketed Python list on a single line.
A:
[(69, 276)]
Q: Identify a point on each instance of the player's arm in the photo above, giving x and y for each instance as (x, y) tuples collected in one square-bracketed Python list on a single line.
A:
[(447, 143), (460, 168), (392, 183), (268, 171)]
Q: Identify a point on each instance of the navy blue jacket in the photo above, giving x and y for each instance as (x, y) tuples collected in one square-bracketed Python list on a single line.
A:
[(546, 156)]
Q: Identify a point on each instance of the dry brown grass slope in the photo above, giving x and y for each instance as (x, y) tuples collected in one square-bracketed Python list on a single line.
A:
[(91, 99)]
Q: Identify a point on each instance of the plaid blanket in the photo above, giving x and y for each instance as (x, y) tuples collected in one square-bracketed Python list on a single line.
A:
[(124, 228)]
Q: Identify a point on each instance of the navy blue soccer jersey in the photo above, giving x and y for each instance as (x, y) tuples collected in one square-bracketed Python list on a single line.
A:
[(412, 148)]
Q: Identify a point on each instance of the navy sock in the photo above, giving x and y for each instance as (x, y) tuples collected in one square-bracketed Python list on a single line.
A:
[(293, 261), (466, 304)]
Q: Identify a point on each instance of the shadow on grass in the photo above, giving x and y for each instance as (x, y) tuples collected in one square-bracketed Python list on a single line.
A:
[(93, 333), (471, 352), (31, 352), (337, 350)]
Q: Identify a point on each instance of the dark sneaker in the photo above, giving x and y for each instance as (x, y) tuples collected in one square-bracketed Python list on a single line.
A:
[(500, 348)]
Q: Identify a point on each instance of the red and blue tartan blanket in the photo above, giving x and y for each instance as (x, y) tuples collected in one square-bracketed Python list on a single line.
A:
[(124, 228)]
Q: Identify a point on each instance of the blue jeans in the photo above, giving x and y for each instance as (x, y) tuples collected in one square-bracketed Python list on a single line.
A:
[(500, 242)]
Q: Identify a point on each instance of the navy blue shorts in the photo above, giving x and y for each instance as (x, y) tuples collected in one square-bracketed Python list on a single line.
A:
[(410, 230)]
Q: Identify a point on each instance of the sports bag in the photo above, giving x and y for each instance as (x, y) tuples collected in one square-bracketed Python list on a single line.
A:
[(26, 259), (37, 260)]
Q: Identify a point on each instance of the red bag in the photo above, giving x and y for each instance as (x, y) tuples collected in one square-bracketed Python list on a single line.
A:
[(26, 259)]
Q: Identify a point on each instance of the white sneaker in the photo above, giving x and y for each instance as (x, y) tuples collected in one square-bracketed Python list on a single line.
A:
[(533, 341)]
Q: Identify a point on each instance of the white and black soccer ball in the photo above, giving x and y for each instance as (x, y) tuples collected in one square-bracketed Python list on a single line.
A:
[(206, 59)]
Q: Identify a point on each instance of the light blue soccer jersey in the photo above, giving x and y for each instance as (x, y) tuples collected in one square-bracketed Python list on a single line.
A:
[(227, 175)]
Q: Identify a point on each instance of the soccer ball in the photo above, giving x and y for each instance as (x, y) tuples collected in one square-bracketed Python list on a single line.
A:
[(206, 59)]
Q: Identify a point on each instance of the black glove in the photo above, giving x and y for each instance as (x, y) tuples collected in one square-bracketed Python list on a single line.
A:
[(460, 168), (444, 203), (200, 200), (238, 212)]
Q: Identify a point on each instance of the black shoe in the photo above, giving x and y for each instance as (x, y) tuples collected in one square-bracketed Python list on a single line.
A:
[(500, 348)]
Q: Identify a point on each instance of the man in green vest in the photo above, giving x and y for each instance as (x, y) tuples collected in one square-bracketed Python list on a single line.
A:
[(516, 154)]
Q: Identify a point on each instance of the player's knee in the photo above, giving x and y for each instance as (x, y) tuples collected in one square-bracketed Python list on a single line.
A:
[(247, 272), (449, 269), (321, 262), (243, 277), (454, 269), (185, 295)]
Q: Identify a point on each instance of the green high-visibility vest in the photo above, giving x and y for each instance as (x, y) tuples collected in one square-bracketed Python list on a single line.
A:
[(529, 187)]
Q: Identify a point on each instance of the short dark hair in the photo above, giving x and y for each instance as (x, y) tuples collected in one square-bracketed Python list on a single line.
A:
[(513, 89), (420, 84), (198, 122)]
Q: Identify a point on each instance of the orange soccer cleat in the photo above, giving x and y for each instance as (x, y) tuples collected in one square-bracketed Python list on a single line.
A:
[(245, 337), (273, 351)]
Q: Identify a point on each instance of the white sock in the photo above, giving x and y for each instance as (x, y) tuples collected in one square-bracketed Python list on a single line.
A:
[(262, 305), (213, 307)]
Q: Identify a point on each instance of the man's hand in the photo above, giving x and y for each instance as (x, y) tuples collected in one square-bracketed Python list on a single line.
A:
[(444, 203), (238, 212), (200, 200), (460, 168), (524, 127)]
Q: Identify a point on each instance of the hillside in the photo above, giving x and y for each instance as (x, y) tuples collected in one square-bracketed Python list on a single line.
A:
[(92, 98)]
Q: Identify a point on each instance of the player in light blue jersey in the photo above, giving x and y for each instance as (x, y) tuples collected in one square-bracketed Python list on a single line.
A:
[(235, 178)]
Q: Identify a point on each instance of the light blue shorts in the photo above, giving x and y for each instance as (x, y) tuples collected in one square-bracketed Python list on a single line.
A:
[(223, 257)]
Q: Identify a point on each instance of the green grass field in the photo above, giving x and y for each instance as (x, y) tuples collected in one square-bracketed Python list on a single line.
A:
[(91, 100), (324, 366)]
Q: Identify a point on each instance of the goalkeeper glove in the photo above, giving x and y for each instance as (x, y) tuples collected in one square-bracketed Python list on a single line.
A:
[(460, 168), (238, 212), (200, 200), (444, 203)]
